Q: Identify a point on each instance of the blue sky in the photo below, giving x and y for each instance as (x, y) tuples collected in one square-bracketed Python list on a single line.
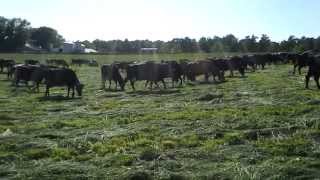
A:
[(166, 19)]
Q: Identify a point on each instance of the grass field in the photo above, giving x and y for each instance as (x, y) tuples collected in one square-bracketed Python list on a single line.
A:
[(265, 125)]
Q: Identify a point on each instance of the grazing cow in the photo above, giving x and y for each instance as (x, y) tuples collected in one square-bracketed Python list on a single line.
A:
[(26, 73), (313, 62), (204, 67), (31, 62), (63, 77), (111, 72)]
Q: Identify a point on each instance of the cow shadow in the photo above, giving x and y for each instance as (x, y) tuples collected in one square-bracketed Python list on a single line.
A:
[(112, 90), (155, 92), (237, 77), (211, 82), (57, 98)]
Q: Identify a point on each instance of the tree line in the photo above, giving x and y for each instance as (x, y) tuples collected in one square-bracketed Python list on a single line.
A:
[(228, 43), (16, 32)]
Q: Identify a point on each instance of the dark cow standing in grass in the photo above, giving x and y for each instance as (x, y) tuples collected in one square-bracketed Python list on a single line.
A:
[(28, 73), (249, 62), (8, 64), (206, 68), (63, 77), (183, 63), (299, 61), (150, 71), (236, 63), (232, 64), (260, 60), (313, 62), (111, 73), (174, 71)]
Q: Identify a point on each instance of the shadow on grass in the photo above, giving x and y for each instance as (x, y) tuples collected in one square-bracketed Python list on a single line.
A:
[(155, 92), (211, 82), (112, 90), (57, 98)]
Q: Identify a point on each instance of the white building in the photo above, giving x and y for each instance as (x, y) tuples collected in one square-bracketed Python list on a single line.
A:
[(148, 50), (73, 47)]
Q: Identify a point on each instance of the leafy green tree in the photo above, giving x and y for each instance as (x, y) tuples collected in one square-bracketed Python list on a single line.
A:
[(13, 33), (264, 43), (230, 43), (46, 37)]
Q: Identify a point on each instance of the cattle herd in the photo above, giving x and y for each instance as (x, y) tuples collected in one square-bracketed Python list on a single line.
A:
[(56, 72)]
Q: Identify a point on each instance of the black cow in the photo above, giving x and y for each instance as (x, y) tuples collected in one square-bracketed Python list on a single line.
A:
[(26, 73), (174, 71), (232, 64), (313, 63), (63, 77), (249, 61), (300, 61), (8, 64), (206, 68), (150, 71), (111, 72)]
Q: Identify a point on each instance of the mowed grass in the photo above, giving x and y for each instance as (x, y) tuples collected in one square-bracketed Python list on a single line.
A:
[(265, 125)]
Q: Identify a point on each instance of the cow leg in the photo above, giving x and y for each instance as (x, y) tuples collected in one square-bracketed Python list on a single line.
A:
[(241, 71), (316, 78), (299, 69), (206, 77), (47, 91), (151, 84), (146, 84), (116, 84), (103, 83), (172, 81), (164, 83), (307, 80), (72, 91), (110, 84), (68, 92), (132, 84), (294, 68)]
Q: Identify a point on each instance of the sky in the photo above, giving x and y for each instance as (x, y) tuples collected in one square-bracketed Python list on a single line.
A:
[(168, 19)]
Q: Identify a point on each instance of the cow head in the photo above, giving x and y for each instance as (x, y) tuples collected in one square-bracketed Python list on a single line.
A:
[(79, 88)]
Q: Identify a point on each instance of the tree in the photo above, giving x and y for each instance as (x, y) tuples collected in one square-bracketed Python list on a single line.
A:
[(249, 44), (46, 38), (264, 43), (13, 33), (230, 43), (204, 44)]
